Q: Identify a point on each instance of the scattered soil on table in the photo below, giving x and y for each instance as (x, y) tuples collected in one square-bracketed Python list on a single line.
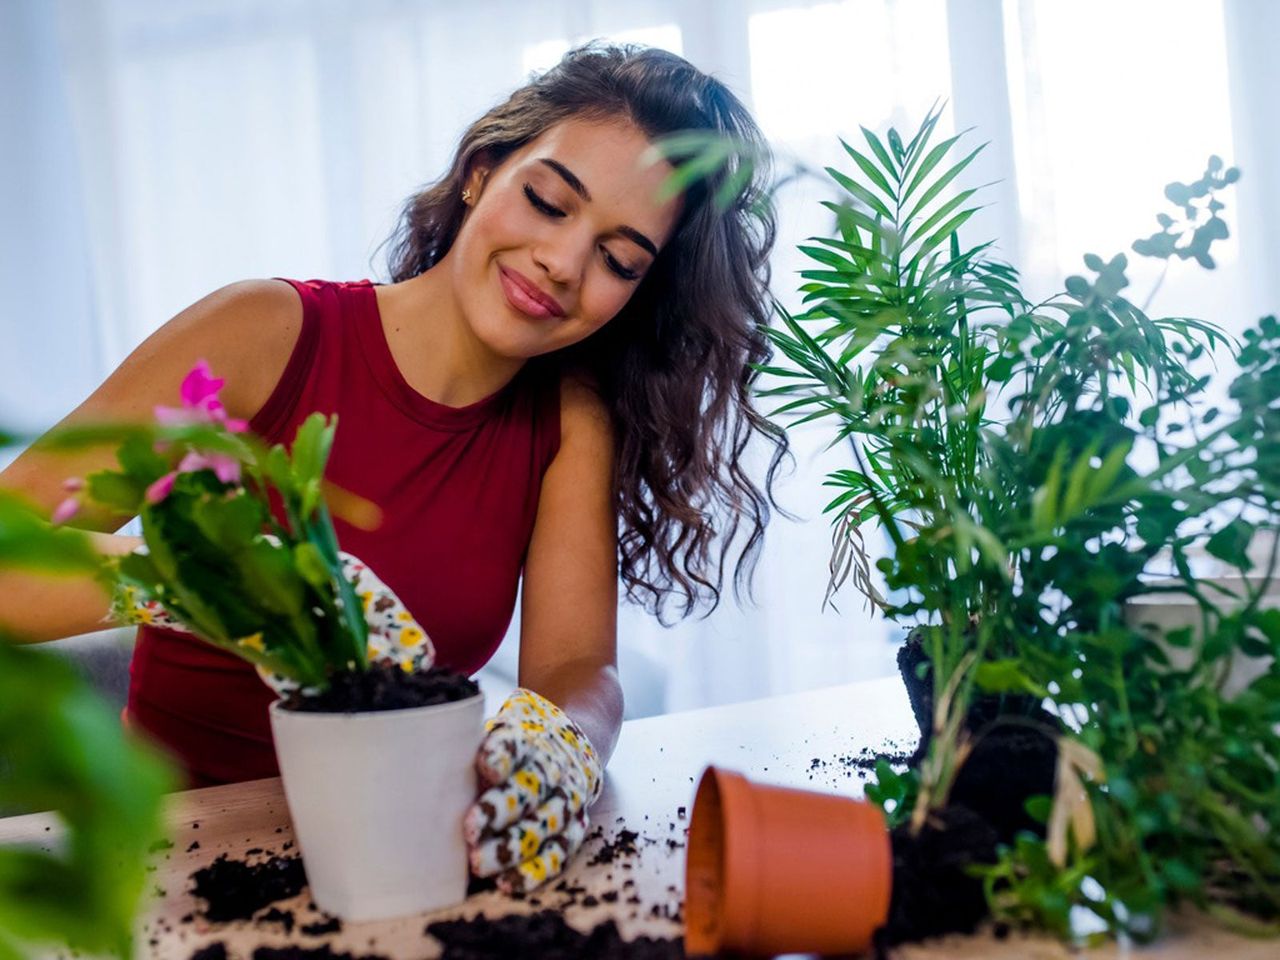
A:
[(864, 761), (623, 845), (321, 927), (236, 890), (621, 854), (544, 936), (384, 686), (309, 953), (480, 884), (275, 915)]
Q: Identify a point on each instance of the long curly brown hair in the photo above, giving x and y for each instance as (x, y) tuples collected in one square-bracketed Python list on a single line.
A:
[(675, 365)]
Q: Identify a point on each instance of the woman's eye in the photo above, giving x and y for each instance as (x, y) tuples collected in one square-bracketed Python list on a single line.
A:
[(549, 210), (619, 269), (541, 204)]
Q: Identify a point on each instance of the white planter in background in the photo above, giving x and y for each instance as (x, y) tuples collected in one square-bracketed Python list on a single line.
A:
[(377, 801), (1171, 611)]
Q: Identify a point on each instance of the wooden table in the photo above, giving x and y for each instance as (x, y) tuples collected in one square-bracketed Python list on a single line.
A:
[(649, 789)]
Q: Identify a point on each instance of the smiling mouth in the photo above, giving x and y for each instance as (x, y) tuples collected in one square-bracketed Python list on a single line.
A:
[(523, 301)]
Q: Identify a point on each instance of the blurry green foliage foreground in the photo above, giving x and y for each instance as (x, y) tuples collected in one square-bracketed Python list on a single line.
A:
[(62, 749)]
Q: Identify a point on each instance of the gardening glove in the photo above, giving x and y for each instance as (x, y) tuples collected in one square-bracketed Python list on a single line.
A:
[(393, 633), (540, 774)]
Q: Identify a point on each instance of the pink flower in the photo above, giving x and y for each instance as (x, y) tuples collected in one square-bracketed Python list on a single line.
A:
[(67, 509), (161, 488), (200, 388), (174, 416), (200, 403), (227, 468)]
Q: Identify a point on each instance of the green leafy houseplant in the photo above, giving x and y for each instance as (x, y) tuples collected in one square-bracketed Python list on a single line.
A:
[(217, 558), (62, 749), (240, 549), (1032, 466)]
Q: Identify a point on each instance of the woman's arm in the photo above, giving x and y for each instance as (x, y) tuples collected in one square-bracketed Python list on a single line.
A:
[(37, 607), (246, 331), (568, 615)]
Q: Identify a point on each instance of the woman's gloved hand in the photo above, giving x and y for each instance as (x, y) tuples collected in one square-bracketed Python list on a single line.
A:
[(393, 632), (539, 774)]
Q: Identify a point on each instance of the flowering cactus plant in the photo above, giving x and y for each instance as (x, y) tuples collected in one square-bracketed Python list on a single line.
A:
[(218, 562)]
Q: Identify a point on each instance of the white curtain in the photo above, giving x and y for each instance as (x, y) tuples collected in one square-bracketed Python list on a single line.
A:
[(153, 150)]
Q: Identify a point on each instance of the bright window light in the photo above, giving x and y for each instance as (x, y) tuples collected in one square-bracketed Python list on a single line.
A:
[(820, 69), (1111, 102), (542, 56)]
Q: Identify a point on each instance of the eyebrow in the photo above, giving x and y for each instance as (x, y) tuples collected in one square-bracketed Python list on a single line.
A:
[(580, 188)]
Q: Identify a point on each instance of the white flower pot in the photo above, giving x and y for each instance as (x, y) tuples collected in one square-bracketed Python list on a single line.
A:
[(1171, 611), (377, 801)]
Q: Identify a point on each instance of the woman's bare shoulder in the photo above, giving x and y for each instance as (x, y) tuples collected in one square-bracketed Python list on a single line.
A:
[(583, 410), (246, 332)]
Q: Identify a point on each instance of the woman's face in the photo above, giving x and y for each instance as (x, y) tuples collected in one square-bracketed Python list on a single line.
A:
[(559, 236)]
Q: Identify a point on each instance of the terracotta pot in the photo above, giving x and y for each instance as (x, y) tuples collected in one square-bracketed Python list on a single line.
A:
[(773, 870)]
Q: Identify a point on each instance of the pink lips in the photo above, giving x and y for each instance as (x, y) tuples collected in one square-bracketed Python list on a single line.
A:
[(527, 298)]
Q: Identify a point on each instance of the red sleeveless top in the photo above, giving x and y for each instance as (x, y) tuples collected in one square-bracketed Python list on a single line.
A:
[(458, 487)]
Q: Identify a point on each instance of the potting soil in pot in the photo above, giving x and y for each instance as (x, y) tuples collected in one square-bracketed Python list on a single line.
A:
[(384, 686)]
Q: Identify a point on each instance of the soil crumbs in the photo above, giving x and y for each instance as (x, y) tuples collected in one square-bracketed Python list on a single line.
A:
[(864, 762), (309, 953), (623, 845), (544, 936), (218, 951), (235, 890)]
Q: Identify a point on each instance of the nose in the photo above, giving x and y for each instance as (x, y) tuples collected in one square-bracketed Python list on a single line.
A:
[(562, 259)]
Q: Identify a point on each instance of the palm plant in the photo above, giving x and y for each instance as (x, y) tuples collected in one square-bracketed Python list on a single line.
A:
[(997, 444)]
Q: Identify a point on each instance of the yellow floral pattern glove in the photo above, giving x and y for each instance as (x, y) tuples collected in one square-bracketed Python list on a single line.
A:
[(540, 773), (393, 632)]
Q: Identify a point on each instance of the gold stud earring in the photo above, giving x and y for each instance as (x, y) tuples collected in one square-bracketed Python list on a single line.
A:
[(466, 196)]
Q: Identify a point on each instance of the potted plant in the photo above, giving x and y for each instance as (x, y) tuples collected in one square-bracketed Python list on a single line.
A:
[(240, 550), (62, 750), (1028, 495)]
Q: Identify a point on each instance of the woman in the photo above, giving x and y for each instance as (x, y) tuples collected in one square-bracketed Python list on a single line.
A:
[(555, 386)]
